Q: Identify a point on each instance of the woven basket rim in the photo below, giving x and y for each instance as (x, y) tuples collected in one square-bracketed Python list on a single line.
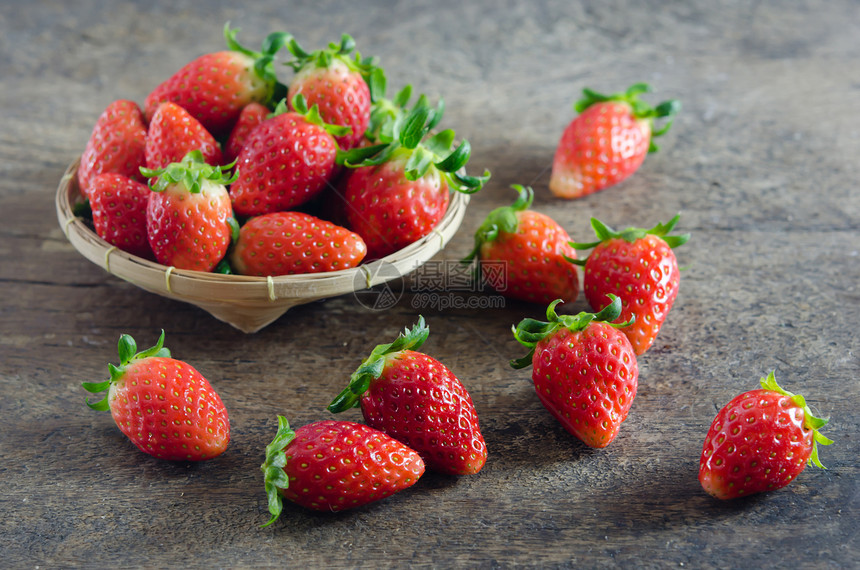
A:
[(198, 286)]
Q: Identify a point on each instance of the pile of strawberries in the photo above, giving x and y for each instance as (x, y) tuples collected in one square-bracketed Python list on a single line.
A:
[(332, 144), (225, 168)]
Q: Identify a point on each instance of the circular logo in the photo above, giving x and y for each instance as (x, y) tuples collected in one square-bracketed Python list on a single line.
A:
[(378, 286)]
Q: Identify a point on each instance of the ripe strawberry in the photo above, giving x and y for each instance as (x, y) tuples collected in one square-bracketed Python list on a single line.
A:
[(760, 441), (289, 243), (398, 190), (607, 142), (639, 266), (252, 115), (118, 205), (585, 372), (334, 81), (533, 252), (173, 133), (189, 221), (164, 406), (215, 87), (287, 160), (331, 466), (116, 145), (415, 399)]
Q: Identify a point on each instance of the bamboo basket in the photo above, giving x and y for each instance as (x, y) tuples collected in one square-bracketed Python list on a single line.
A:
[(247, 303)]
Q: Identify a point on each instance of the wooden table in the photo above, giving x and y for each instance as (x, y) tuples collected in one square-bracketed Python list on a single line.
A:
[(762, 162)]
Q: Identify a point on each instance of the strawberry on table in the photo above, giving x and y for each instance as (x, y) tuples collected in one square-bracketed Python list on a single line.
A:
[(607, 141), (118, 205), (252, 115), (398, 189), (334, 465), (334, 80), (639, 266), (534, 250), (163, 405), (173, 133), (760, 441), (584, 370), (215, 87), (116, 144), (289, 243), (286, 161), (418, 401), (189, 221)]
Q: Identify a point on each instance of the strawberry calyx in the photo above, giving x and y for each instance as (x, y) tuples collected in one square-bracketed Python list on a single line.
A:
[(810, 421), (263, 59), (342, 51), (630, 235), (299, 105), (640, 109), (274, 476), (373, 366), (384, 111), (127, 348), (189, 172), (407, 137), (501, 220), (531, 331)]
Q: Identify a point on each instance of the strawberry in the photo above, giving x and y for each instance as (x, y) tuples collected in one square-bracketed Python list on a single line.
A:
[(252, 115), (215, 87), (760, 441), (585, 371), (116, 145), (118, 206), (287, 160), (334, 81), (639, 266), (398, 190), (189, 221), (333, 465), (532, 249), (607, 141), (173, 133), (288, 243), (163, 405), (415, 399)]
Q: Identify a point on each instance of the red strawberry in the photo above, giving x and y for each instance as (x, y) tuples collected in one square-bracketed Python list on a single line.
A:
[(287, 160), (415, 399), (524, 254), (639, 266), (760, 441), (252, 115), (189, 220), (607, 142), (163, 405), (119, 204), (334, 81), (398, 191), (289, 243), (585, 371), (116, 145), (215, 87), (173, 133), (331, 466)]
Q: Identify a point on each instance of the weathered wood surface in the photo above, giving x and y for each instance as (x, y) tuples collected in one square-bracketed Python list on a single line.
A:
[(762, 163)]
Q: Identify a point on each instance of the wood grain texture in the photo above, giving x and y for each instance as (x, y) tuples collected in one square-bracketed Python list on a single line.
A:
[(762, 163)]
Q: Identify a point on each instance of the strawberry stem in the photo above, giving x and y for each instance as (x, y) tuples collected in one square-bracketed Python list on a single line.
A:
[(264, 59), (189, 172), (372, 367), (810, 421), (531, 331), (630, 235), (127, 349), (501, 220), (274, 476)]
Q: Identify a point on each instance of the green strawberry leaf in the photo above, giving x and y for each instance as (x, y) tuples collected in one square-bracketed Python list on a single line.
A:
[(373, 366), (189, 173), (630, 235), (501, 220), (274, 476)]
